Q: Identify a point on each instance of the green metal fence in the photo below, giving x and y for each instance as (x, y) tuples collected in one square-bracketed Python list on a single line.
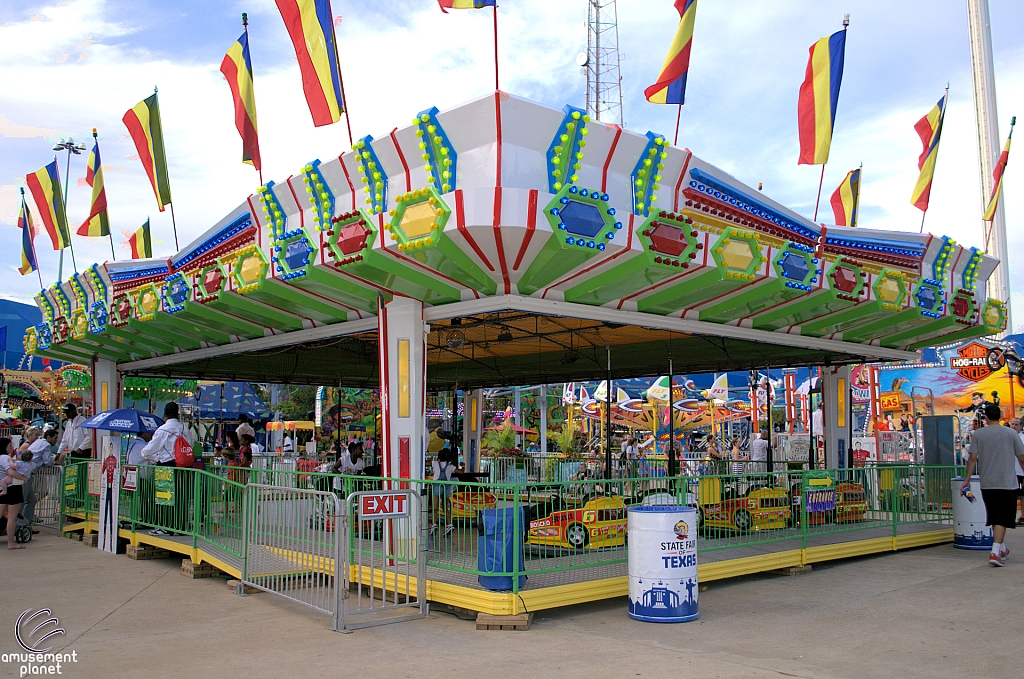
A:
[(568, 530)]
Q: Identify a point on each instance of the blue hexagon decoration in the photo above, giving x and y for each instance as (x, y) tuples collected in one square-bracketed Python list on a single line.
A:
[(581, 219), (926, 298), (794, 266), (178, 291)]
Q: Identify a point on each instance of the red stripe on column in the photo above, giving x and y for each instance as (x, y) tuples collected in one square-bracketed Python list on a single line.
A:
[(385, 385), (496, 226), (348, 179), (682, 176), (497, 125), (460, 223), (401, 156), (608, 160), (531, 227)]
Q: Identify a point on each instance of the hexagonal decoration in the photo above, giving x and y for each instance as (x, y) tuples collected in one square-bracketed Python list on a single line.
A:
[(582, 218), (349, 235), (121, 310), (292, 254), (43, 336), (890, 289), (147, 301), (739, 253), (79, 323), (98, 317), (61, 330), (963, 307), (670, 238), (250, 269), (929, 299), (209, 283), (174, 293), (418, 218), (798, 267), (994, 314), (31, 340)]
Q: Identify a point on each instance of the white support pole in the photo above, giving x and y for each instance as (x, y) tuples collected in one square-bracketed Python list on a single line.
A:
[(987, 117), (403, 334), (106, 393), (836, 411)]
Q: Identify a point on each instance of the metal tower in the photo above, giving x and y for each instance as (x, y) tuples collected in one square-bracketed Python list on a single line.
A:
[(601, 62), (994, 239)]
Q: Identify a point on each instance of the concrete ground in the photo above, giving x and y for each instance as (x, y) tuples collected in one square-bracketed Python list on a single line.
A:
[(931, 612)]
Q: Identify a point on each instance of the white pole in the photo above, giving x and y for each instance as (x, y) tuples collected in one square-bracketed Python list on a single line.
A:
[(542, 405), (988, 146)]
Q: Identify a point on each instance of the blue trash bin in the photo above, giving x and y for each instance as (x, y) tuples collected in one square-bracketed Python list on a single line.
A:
[(496, 545)]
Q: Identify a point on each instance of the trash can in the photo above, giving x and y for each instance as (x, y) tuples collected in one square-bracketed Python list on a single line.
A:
[(663, 563), (498, 545), (969, 529)]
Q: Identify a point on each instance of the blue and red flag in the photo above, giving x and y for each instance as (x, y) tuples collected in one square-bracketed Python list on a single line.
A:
[(671, 85), (28, 234), (310, 25), (929, 128), (465, 4), (819, 98), (237, 69)]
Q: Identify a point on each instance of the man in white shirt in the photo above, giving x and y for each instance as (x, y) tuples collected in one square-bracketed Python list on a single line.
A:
[(244, 427), (160, 452), (134, 455), (289, 445), (76, 441)]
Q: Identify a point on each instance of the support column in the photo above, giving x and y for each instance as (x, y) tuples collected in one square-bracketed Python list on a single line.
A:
[(403, 370), (472, 427), (835, 391), (107, 393), (542, 406)]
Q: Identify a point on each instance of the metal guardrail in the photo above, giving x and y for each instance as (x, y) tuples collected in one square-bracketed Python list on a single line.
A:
[(566, 525)]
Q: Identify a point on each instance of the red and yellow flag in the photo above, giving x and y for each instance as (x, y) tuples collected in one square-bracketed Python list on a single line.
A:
[(237, 69), (997, 175), (310, 25), (671, 85), (846, 199), (143, 123), (140, 242), (929, 128), (97, 224), (819, 98), (46, 191)]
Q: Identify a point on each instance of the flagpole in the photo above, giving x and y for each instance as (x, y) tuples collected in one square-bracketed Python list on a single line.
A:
[(344, 99), (174, 223), (679, 113), (96, 142), (67, 176), (245, 26), (817, 201), (31, 239), (495, 8)]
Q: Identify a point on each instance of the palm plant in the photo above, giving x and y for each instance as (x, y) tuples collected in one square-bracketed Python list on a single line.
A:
[(565, 439), (500, 440)]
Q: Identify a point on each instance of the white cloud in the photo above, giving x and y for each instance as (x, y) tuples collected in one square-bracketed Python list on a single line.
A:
[(9, 128)]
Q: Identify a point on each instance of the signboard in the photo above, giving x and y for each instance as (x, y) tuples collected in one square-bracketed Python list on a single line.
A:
[(95, 469), (889, 400), (130, 477), (71, 480), (971, 362), (109, 495), (163, 479), (820, 493), (383, 505)]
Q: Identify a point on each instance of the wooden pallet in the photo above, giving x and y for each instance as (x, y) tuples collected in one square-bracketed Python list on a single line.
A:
[(145, 552), (91, 540), (792, 570), (198, 570), (519, 623)]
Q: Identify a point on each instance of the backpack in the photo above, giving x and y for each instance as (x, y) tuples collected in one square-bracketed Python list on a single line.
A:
[(183, 456)]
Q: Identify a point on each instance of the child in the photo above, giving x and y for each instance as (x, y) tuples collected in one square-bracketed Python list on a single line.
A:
[(23, 466)]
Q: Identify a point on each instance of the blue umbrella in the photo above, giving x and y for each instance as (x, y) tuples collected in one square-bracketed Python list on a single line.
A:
[(124, 419)]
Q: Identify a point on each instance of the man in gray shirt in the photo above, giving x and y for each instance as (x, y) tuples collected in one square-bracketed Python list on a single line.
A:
[(993, 449)]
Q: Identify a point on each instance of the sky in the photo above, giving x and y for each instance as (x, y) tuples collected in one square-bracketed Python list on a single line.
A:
[(70, 65)]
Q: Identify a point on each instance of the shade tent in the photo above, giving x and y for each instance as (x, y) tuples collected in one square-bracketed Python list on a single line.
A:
[(227, 401)]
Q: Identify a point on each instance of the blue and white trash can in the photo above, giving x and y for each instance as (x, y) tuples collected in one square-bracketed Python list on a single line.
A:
[(969, 529), (663, 563)]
